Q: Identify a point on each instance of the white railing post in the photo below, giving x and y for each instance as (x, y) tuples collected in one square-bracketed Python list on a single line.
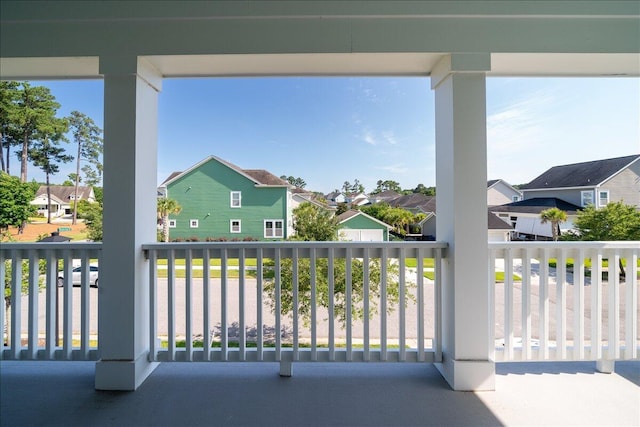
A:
[(631, 310), (34, 276), (16, 304), (3, 309)]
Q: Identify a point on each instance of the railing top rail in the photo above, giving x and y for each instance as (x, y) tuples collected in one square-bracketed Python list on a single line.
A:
[(629, 244), (292, 245), (45, 246)]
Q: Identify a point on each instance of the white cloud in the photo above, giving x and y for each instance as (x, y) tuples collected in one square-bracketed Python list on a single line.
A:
[(397, 168), (367, 136), (389, 137)]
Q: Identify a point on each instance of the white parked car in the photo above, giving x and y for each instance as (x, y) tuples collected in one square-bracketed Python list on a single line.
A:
[(76, 276)]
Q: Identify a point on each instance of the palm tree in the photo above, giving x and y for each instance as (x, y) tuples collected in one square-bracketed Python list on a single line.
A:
[(167, 207), (555, 216)]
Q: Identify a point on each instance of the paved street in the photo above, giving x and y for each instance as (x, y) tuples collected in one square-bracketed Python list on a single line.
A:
[(392, 320)]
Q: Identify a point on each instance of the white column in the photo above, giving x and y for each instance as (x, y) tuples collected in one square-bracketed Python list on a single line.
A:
[(461, 180), (131, 89)]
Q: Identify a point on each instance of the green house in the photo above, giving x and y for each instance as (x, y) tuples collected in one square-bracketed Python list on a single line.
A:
[(222, 201), (357, 226)]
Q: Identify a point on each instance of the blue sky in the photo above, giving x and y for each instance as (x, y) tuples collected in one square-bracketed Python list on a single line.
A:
[(335, 129)]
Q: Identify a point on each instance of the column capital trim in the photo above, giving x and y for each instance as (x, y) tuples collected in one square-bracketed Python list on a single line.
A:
[(457, 63), (131, 66)]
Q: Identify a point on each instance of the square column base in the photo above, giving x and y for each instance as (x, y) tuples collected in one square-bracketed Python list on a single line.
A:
[(125, 375), (469, 375)]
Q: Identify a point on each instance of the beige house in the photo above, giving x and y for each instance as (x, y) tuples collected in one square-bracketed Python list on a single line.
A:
[(62, 197), (596, 183)]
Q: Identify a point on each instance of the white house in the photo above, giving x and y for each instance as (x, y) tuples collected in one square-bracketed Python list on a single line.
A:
[(62, 196)]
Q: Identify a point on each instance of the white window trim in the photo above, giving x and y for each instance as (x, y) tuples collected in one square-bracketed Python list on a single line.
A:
[(515, 199), (239, 193), (599, 198), (281, 221), (584, 193), (172, 223), (231, 221), (193, 223)]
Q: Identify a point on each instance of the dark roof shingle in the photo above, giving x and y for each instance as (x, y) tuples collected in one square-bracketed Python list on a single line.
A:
[(264, 177), (586, 174), (537, 205), (64, 192)]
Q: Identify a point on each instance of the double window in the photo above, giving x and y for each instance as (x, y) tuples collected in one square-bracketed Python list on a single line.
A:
[(235, 226), (236, 199), (193, 223), (273, 228)]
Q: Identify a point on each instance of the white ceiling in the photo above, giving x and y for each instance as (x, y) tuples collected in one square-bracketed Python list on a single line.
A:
[(418, 64)]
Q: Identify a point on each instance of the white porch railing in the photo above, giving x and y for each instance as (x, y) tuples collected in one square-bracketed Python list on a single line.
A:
[(46, 321), (228, 298), (227, 303), (564, 300)]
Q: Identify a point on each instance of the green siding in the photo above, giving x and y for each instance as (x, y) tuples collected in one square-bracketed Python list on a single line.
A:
[(361, 222), (205, 195)]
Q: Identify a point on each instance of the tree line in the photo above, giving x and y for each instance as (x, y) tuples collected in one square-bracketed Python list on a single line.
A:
[(30, 125)]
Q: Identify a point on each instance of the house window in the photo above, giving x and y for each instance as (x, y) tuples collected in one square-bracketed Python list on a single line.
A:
[(235, 226), (515, 198), (587, 198), (193, 223), (273, 228), (236, 199), (172, 223), (603, 198)]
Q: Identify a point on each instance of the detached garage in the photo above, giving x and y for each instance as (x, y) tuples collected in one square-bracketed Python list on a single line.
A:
[(356, 226)]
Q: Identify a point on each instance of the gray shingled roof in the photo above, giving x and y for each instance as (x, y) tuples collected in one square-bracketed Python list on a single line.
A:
[(537, 205), (414, 201), (264, 177), (495, 223), (346, 215), (259, 176), (586, 174), (170, 177), (64, 192)]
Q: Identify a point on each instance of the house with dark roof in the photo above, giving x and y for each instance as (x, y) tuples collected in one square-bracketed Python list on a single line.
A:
[(222, 200), (383, 196), (596, 183), (414, 203), (62, 197), (524, 216)]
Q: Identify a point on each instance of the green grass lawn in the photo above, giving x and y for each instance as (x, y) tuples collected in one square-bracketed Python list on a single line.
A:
[(427, 263), (553, 262), (500, 277)]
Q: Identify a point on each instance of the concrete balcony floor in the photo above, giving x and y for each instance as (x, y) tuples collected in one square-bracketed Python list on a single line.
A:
[(193, 394)]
